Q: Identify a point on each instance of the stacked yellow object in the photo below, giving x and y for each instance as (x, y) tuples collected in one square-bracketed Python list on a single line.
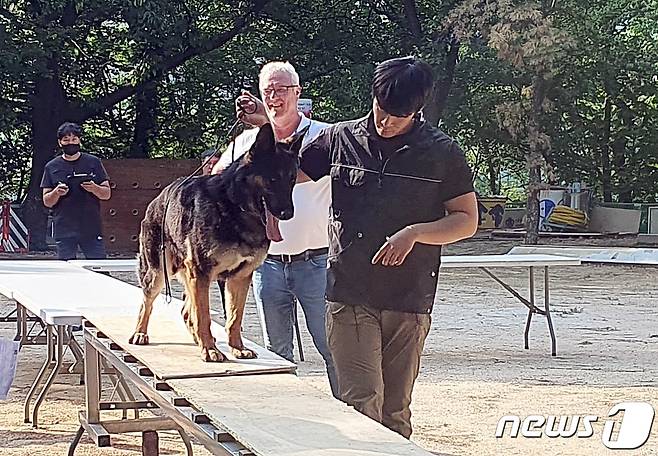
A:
[(564, 215)]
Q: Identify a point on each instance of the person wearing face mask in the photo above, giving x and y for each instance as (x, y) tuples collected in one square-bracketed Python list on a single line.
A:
[(400, 188), (295, 267), (73, 184)]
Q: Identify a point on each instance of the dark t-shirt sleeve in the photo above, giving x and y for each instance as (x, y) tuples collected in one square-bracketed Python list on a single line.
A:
[(459, 178), (47, 179), (315, 157), (101, 174)]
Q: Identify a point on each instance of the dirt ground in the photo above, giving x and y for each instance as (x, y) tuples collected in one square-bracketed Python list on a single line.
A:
[(474, 369)]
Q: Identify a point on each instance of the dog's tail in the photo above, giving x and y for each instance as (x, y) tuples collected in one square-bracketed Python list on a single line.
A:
[(150, 264)]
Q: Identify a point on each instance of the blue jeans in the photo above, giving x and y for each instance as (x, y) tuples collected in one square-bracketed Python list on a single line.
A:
[(92, 247), (276, 286)]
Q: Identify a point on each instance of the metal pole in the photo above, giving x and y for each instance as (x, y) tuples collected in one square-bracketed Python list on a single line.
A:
[(48, 361), (548, 312), (59, 358), (532, 306), (297, 331)]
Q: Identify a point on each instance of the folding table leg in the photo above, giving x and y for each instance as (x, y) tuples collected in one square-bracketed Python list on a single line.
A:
[(21, 316), (48, 361), (78, 436), (530, 309), (548, 312), (297, 332), (76, 350), (59, 358), (8, 318)]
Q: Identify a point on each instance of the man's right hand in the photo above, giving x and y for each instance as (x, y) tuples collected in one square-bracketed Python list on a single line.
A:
[(51, 196), (250, 109)]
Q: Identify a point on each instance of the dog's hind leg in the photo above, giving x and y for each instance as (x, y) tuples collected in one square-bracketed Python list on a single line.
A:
[(197, 289), (237, 288), (152, 281)]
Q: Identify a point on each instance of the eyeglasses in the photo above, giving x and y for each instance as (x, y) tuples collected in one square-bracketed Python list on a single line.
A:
[(278, 91)]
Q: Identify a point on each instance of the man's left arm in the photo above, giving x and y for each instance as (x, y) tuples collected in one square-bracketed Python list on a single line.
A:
[(461, 222), (101, 191)]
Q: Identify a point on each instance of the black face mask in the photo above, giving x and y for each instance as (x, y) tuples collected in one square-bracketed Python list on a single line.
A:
[(71, 149)]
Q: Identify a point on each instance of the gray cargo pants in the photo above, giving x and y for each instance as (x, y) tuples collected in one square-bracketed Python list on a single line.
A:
[(377, 357)]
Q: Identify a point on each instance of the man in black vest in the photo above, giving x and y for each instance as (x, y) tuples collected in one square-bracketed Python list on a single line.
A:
[(400, 189), (73, 185)]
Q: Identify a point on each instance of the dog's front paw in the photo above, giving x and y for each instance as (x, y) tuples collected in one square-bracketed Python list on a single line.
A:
[(212, 355), (139, 339), (243, 353)]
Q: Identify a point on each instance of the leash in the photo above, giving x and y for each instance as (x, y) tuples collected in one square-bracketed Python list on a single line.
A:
[(233, 135), (372, 171)]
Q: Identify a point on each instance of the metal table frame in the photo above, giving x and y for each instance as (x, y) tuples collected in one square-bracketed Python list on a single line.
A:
[(178, 413), (23, 334), (530, 302), (55, 339)]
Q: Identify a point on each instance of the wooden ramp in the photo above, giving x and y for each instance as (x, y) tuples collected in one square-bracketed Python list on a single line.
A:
[(172, 353), (279, 415)]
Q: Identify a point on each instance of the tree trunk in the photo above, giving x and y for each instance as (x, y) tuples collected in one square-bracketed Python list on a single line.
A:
[(494, 188), (532, 206), (146, 104), (438, 98), (606, 171), (49, 111), (619, 152), (536, 153), (624, 176)]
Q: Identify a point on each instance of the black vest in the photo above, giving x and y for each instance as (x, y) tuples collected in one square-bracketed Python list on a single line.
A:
[(379, 186)]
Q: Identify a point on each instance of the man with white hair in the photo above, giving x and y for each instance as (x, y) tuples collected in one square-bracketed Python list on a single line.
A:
[(295, 267)]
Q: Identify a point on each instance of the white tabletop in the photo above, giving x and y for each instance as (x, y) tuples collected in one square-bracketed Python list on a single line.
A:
[(56, 285), (118, 265), (447, 261), (493, 261), (26, 273)]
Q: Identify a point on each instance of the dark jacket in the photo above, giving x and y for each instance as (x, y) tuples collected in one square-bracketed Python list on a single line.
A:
[(379, 186)]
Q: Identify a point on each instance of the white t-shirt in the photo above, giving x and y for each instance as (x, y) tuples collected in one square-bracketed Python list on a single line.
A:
[(308, 228)]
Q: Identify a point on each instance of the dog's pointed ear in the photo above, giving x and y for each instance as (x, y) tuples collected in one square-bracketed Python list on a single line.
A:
[(264, 142)]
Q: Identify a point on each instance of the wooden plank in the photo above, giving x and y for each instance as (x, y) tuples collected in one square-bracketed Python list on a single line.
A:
[(172, 353), (150, 443), (280, 415)]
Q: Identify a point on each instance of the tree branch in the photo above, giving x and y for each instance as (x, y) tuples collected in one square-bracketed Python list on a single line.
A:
[(389, 14), (94, 108), (411, 12)]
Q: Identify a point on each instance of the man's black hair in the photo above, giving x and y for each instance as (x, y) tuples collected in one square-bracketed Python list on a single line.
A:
[(207, 153), (402, 85), (69, 128)]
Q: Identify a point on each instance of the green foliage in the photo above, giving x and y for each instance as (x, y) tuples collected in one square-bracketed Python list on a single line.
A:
[(599, 60)]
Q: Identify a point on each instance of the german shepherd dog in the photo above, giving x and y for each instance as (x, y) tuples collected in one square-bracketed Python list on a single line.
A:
[(215, 228)]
